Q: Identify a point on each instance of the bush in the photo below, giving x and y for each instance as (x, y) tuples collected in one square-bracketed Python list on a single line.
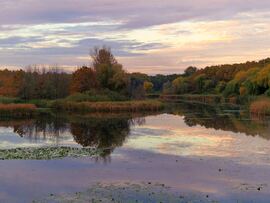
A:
[(94, 96), (9, 100), (267, 93)]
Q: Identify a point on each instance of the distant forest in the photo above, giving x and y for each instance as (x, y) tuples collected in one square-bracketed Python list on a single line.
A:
[(250, 78), (107, 76)]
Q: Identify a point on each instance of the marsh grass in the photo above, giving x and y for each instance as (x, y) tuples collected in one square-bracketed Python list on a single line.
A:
[(17, 110), (260, 106), (127, 106)]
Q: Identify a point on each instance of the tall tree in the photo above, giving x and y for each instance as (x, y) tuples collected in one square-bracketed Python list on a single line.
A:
[(110, 74), (102, 56)]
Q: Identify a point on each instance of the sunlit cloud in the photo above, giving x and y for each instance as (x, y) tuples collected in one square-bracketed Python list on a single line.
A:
[(151, 37)]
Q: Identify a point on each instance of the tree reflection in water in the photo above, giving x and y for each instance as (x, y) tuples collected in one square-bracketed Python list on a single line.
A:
[(109, 131), (105, 131), (102, 133), (223, 118)]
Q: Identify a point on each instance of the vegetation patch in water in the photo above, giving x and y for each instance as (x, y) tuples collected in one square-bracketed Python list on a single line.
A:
[(47, 153), (128, 192)]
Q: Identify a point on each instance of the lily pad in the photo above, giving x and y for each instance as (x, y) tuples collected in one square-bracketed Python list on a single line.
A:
[(47, 153), (128, 192)]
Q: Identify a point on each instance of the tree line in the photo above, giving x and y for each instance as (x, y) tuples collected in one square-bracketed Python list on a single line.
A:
[(250, 78), (107, 75)]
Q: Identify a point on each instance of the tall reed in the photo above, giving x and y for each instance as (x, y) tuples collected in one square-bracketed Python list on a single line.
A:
[(260, 106), (127, 106), (17, 110)]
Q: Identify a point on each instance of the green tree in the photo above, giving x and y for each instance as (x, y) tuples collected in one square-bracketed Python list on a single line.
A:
[(110, 74), (199, 82), (180, 85)]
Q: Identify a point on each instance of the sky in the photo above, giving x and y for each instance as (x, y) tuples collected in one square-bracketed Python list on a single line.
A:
[(150, 36)]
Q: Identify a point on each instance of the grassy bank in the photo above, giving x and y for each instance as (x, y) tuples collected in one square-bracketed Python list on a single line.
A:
[(17, 110), (261, 106), (125, 106), (77, 103)]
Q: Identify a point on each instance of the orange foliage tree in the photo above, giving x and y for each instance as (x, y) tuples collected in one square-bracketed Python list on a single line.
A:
[(83, 79)]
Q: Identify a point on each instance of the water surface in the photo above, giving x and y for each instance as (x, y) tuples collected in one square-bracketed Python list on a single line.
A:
[(201, 153)]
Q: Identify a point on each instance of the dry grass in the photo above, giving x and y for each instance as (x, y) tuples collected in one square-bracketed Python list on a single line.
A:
[(260, 107), (128, 106), (17, 110)]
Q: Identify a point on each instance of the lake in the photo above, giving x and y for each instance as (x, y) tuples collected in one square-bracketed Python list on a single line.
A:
[(186, 153)]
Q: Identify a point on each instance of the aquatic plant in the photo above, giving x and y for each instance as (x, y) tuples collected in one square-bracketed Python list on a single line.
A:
[(127, 192), (47, 153)]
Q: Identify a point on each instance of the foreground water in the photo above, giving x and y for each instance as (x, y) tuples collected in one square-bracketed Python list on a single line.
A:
[(188, 153)]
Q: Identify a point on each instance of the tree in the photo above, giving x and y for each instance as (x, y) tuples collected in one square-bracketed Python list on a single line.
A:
[(180, 85), (110, 74), (199, 82), (167, 88), (119, 80), (190, 71), (136, 86), (220, 87), (148, 86), (83, 79), (102, 56)]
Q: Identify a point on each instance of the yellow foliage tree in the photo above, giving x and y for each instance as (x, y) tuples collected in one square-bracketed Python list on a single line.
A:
[(148, 86)]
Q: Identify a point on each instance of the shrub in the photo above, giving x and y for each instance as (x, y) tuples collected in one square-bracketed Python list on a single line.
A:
[(95, 95), (9, 100), (267, 93)]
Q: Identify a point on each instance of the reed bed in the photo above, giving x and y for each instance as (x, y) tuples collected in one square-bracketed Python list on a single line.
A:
[(17, 110), (127, 106), (260, 107)]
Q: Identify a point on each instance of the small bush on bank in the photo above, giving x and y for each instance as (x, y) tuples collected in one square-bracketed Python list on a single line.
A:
[(9, 100), (95, 96)]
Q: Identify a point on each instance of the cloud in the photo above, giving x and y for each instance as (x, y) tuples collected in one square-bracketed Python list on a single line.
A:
[(153, 36), (135, 14)]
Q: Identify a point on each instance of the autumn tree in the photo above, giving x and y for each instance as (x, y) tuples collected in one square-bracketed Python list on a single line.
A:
[(190, 71), (10, 82), (148, 86), (83, 79), (110, 74), (102, 56), (180, 85)]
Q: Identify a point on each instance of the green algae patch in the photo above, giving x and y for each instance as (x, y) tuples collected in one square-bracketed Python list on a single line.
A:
[(47, 153), (128, 192)]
